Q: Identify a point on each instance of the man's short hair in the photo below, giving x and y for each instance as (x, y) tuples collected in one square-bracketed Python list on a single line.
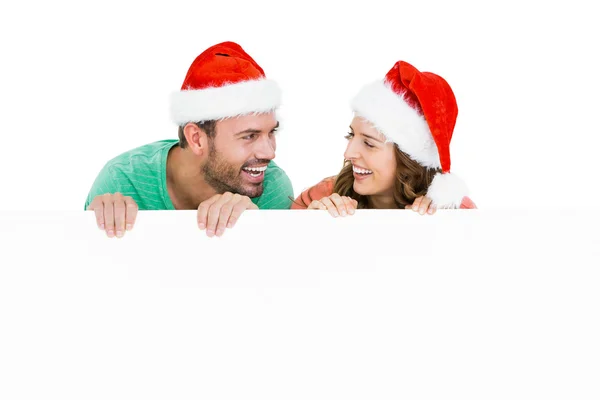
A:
[(209, 127)]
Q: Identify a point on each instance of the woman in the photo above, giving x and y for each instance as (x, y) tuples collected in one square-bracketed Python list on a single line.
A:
[(398, 149)]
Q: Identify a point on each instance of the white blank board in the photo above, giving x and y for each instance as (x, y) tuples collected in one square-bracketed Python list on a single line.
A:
[(467, 304)]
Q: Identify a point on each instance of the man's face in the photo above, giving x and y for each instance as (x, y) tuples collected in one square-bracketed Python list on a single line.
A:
[(239, 153)]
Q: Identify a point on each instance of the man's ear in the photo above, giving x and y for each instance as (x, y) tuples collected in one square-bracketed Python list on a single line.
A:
[(196, 138)]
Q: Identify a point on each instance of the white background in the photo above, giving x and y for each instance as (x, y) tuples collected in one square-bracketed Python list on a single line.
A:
[(82, 82)]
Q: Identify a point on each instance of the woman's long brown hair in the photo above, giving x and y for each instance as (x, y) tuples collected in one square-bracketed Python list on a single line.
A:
[(412, 181)]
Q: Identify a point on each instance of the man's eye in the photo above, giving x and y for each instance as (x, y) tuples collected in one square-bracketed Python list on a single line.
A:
[(249, 137)]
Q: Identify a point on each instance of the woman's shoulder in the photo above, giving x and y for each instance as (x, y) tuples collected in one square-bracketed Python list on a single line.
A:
[(325, 184), (316, 192), (467, 203)]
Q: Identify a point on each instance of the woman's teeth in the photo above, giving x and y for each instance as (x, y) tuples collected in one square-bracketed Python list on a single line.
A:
[(361, 171)]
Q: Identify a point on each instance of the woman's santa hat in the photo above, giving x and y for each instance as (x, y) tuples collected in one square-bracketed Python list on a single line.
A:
[(417, 111), (223, 81)]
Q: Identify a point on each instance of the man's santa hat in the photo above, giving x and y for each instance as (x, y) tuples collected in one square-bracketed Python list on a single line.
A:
[(223, 81), (417, 111)]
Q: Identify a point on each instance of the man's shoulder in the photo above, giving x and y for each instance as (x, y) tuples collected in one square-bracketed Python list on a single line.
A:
[(277, 189), (148, 155), (274, 172), (273, 167)]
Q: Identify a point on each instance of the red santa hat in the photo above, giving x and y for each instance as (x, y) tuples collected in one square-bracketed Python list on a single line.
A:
[(417, 111), (223, 81)]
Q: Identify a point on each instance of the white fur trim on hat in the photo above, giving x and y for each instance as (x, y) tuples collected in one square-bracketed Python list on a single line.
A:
[(447, 191), (398, 121), (232, 100)]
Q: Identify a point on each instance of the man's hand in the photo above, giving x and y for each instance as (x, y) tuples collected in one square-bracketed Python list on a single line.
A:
[(422, 205), (115, 213), (222, 211), (336, 205)]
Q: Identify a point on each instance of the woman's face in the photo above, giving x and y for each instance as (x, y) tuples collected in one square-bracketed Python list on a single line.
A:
[(373, 160)]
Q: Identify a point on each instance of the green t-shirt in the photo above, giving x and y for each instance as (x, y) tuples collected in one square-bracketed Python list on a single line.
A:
[(142, 174)]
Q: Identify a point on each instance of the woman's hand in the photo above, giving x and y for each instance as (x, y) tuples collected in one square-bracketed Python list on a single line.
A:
[(336, 205), (422, 205)]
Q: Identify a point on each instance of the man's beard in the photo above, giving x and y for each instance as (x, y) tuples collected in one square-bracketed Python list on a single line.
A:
[(225, 177)]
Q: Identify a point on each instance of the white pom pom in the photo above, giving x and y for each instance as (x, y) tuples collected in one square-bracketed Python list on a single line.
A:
[(447, 191)]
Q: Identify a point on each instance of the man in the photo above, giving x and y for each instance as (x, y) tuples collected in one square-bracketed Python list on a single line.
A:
[(222, 163)]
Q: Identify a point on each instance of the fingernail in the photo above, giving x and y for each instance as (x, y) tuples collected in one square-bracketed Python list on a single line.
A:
[(414, 208), (110, 233), (229, 225), (102, 226), (430, 211), (119, 233), (201, 225), (210, 232), (219, 232), (343, 213), (129, 227)]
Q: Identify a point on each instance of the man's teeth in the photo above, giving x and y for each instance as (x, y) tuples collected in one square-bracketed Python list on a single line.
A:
[(361, 171), (257, 170)]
